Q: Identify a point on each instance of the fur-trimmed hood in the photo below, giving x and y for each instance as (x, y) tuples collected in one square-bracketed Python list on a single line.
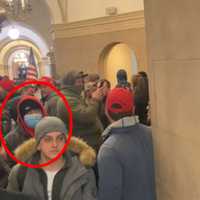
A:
[(87, 154)]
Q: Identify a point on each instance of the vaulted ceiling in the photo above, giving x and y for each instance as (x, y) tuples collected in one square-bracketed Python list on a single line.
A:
[(47, 12), (58, 10), (39, 20)]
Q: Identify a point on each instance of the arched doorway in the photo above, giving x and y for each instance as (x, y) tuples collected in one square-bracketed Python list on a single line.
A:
[(117, 56), (14, 53), (18, 58)]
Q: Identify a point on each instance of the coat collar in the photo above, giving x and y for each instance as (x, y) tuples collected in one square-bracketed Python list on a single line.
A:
[(86, 154), (122, 123), (67, 157)]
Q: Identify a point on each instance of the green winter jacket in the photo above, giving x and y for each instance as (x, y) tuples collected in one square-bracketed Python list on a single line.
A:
[(86, 123)]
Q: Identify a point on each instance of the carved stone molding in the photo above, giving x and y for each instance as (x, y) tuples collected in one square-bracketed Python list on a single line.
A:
[(121, 22)]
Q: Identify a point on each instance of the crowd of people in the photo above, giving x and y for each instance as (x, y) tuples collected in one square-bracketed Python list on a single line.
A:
[(110, 154)]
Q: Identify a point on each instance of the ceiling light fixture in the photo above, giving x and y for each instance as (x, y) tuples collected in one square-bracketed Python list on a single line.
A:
[(17, 9)]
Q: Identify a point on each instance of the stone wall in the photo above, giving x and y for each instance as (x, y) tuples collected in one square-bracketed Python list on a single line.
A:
[(80, 45), (174, 67)]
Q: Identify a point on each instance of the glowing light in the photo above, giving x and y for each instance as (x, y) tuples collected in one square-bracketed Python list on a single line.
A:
[(13, 33)]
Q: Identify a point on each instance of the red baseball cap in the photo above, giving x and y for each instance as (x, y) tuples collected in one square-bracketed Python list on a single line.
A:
[(7, 85), (120, 100)]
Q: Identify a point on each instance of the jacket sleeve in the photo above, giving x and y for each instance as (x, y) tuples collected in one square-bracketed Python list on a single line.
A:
[(90, 189), (110, 174), (82, 113), (12, 140), (4, 171), (12, 180)]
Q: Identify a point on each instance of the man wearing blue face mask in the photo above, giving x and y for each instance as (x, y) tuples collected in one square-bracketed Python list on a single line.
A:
[(32, 117), (29, 111)]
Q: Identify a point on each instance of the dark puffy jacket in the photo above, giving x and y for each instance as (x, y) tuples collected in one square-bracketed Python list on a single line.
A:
[(4, 172), (5, 195)]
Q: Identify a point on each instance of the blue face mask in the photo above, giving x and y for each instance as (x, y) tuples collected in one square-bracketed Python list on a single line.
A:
[(32, 119)]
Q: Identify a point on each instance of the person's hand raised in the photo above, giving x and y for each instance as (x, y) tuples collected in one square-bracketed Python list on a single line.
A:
[(97, 94)]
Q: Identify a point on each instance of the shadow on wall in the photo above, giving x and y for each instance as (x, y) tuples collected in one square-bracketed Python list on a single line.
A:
[(115, 56)]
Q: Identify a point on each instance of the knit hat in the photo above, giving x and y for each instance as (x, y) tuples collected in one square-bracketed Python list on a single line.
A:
[(120, 100), (47, 125), (29, 104)]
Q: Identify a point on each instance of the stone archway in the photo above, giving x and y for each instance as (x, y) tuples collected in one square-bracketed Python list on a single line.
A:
[(115, 56), (28, 38), (57, 12), (8, 55)]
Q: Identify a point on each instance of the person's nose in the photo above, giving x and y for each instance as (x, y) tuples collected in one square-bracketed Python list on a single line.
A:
[(54, 143)]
